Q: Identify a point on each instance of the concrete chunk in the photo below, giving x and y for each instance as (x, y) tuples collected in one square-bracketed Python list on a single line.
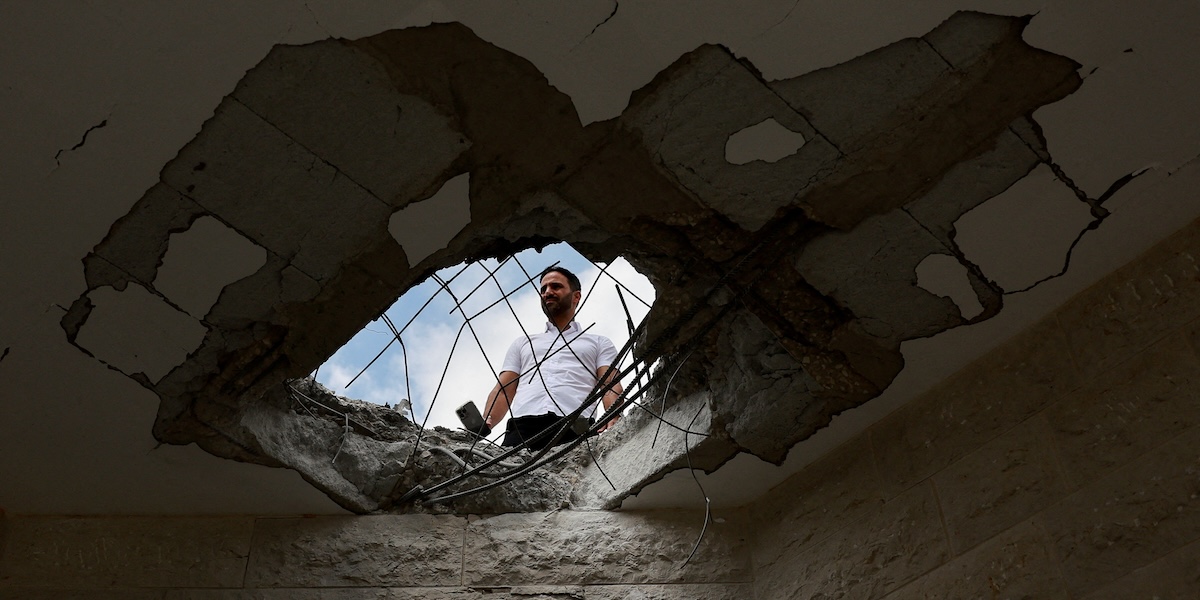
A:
[(872, 270)]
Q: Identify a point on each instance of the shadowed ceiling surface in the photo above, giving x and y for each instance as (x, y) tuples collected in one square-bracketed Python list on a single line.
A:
[(290, 159)]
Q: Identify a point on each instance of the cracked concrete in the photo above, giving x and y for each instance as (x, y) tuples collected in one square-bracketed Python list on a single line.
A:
[(616, 7), (82, 141), (1034, 246), (796, 278)]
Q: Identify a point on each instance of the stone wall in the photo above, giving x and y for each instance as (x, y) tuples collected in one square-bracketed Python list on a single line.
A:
[(532, 556), (1065, 464)]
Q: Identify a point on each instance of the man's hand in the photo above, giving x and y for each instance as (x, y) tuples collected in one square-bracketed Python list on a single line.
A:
[(609, 424)]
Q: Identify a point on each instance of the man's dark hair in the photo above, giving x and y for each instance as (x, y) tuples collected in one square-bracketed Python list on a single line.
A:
[(572, 280)]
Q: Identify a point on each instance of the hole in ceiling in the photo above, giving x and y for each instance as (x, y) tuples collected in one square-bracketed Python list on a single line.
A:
[(448, 363), (767, 141), (943, 275), (425, 227), (201, 261)]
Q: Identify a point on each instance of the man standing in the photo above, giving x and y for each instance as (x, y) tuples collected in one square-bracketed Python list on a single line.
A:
[(548, 375)]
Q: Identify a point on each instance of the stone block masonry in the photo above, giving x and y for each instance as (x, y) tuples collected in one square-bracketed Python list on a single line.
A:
[(530, 556)]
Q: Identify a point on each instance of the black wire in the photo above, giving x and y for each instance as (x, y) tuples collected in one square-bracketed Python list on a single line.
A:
[(663, 409), (622, 402), (625, 399), (532, 462), (437, 391), (628, 317), (604, 271), (707, 501), (404, 354), (499, 266), (403, 329), (503, 295)]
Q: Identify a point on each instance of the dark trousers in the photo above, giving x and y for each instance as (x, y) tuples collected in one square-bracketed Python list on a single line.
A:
[(521, 429)]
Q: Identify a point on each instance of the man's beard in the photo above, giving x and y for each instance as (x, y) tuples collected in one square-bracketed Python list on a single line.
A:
[(554, 308)]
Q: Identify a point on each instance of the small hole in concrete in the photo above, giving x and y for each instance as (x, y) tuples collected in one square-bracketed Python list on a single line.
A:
[(463, 370), (943, 275), (767, 141)]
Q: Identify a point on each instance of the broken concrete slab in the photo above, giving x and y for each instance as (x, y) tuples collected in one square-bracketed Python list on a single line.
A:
[(954, 119), (972, 182), (886, 87), (136, 243), (368, 457), (755, 376), (647, 447)]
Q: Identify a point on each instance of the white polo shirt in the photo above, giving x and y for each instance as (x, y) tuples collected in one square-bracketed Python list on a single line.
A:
[(568, 364)]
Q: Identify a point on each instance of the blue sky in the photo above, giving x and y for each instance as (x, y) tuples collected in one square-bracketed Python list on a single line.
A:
[(465, 374)]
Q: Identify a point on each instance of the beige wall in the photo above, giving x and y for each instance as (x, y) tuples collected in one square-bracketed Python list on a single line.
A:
[(1065, 464)]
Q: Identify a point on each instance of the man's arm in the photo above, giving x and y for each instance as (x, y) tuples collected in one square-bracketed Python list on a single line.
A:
[(604, 375), (501, 397)]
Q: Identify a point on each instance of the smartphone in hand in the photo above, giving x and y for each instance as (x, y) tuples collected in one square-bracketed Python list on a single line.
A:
[(472, 421)]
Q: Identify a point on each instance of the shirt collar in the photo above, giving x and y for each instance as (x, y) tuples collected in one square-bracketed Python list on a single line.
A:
[(571, 328)]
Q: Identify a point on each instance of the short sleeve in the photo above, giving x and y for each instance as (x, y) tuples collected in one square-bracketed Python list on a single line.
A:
[(606, 353), (512, 358)]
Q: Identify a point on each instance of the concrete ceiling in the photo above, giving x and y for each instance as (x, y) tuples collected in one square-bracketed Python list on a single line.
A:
[(99, 99)]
